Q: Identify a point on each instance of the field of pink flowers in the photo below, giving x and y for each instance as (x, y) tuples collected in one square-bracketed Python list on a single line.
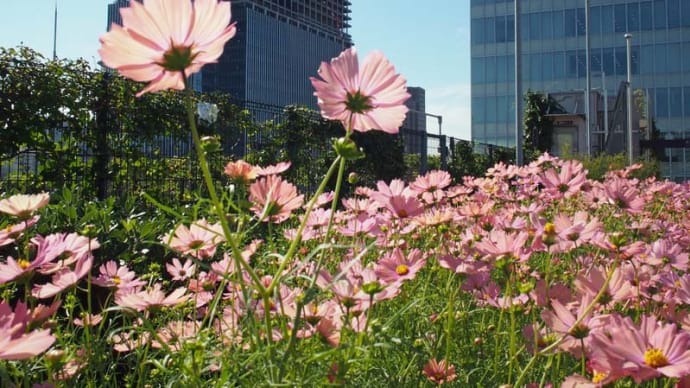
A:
[(528, 276)]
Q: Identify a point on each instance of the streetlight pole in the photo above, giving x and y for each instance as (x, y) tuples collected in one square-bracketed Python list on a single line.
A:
[(518, 87), (628, 38)]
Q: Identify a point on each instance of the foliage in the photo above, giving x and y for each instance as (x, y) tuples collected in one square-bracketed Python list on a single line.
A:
[(84, 127), (600, 165), (306, 141), (538, 129), (465, 161)]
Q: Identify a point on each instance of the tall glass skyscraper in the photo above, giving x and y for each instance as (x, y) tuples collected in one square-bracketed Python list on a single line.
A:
[(554, 60), (279, 44)]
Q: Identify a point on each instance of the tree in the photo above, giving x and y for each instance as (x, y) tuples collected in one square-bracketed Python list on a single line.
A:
[(538, 129)]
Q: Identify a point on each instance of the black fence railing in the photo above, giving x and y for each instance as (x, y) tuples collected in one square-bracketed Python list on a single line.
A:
[(113, 163)]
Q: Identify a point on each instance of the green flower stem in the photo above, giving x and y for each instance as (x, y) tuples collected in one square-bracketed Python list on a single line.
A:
[(339, 162), (217, 207), (291, 252), (450, 322), (310, 206), (579, 320)]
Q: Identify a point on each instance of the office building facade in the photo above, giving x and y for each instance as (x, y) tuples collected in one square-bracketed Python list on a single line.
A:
[(554, 60)]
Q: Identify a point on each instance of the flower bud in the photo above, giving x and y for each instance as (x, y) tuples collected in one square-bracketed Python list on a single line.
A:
[(348, 149), (352, 178), (210, 144)]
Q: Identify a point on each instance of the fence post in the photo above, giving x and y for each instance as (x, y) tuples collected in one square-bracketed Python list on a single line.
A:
[(103, 120), (451, 150), (443, 151), (423, 152)]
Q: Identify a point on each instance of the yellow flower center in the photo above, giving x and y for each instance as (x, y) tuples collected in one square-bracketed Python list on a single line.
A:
[(549, 228), (402, 269), (116, 279), (655, 358), (24, 264), (598, 377)]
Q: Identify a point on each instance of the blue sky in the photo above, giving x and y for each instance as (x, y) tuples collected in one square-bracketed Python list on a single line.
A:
[(427, 41)]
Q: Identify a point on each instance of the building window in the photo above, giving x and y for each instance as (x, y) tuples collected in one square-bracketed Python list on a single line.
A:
[(647, 59), (685, 13), (501, 68), (674, 56), (478, 70), (633, 17), (595, 20), (646, 17), (547, 25), (558, 24), (534, 26), (490, 69), (571, 65), (674, 13), (535, 64), (607, 19), (621, 61), (559, 65), (490, 30), (660, 58), (620, 18), (659, 14), (477, 32), (661, 102), (676, 102), (501, 35), (570, 22)]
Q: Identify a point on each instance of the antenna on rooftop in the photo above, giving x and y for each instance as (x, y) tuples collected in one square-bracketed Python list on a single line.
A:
[(55, 33)]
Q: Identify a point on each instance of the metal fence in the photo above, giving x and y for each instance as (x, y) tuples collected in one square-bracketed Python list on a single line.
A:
[(117, 164)]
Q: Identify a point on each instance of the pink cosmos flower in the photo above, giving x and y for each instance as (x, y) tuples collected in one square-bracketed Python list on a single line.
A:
[(395, 267), (624, 195), (363, 99), (499, 244), (274, 169), (565, 183), (63, 279), (653, 349), (60, 250), (88, 320), (118, 277), (23, 205), (153, 297), (667, 253), (10, 233), (274, 199), (439, 372), (431, 185), (180, 271), (241, 171), (199, 240), (561, 319), (164, 41), (15, 342)]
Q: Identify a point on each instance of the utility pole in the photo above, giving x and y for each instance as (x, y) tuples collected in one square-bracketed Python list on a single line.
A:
[(628, 38), (588, 102)]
